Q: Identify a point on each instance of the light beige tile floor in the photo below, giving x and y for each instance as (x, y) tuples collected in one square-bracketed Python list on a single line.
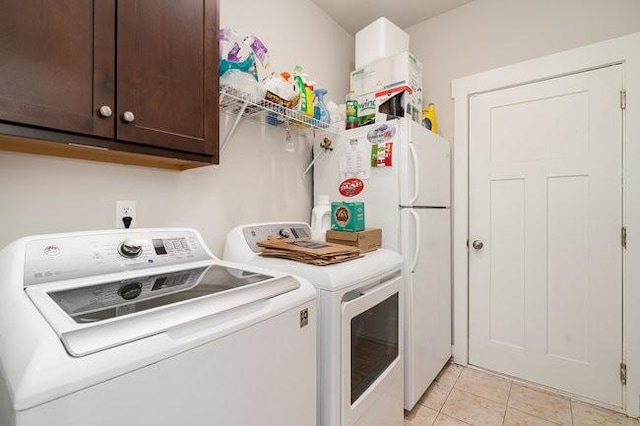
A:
[(463, 396)]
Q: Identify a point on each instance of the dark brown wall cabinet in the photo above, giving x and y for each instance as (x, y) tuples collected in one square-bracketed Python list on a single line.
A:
[(137, 77)]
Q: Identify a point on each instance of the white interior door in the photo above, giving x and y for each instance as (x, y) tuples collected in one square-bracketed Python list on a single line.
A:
[(545, 291)]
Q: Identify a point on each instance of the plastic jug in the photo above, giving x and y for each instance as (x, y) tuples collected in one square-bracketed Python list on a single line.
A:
[(321, 219)]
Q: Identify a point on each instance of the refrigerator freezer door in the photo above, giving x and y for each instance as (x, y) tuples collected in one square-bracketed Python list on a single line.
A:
[(427, 297), (426, 180)]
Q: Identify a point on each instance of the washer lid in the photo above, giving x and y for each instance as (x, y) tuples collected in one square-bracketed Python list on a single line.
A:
[(95, 316), (338, 276)]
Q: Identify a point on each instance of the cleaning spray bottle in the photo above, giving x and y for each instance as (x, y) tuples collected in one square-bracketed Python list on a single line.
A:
[(320, 111)]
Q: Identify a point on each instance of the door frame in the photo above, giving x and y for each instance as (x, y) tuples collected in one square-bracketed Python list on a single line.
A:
[(623, 50)]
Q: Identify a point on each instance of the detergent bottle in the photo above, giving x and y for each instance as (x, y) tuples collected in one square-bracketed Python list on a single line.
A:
[(321, 219), (429, 118)]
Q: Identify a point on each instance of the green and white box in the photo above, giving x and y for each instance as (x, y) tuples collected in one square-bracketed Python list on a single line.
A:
[(347, 216)]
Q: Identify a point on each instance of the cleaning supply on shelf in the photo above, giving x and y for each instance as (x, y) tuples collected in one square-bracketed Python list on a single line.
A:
[(352, 111), (336, 112), (282, 91), (235, 54), (299, 80), (429, 118), (321, 219), (308, 91), (243, 82), (320, 111), (261, 55)]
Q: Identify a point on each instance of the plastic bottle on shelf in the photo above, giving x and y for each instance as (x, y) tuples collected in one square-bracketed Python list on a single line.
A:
[(320, 111), (321, 219), (352, 111), (429, 118), (309, 95)]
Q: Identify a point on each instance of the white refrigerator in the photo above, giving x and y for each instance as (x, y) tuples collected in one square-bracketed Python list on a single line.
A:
[(401, 171)]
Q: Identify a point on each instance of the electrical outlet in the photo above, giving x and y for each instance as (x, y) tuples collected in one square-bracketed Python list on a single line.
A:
[(125, 209)]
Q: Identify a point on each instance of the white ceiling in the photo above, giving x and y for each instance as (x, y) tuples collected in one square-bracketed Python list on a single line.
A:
[(354, 15)]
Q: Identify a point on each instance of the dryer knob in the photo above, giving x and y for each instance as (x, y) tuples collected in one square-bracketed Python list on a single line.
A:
[(285, 233), (130, 248), (130, 291)]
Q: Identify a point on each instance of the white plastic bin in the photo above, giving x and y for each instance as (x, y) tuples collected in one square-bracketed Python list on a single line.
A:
[(380, 39)]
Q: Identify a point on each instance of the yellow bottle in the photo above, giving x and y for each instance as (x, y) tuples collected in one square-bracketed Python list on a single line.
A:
[(308, 89), (429, 118)]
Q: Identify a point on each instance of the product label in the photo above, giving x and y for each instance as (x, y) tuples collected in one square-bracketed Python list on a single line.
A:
[(381, 133), (342, 215), (351, 187), (382, 154)]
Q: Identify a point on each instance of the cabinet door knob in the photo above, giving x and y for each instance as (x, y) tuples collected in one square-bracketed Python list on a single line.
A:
[(128, 117), (105, 111)]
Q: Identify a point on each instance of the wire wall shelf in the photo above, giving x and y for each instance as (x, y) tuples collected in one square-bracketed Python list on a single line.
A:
[(246, 105)]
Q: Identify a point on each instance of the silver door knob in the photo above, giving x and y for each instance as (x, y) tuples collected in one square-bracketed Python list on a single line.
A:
[(128, 117), (105, 111), (477, 244)]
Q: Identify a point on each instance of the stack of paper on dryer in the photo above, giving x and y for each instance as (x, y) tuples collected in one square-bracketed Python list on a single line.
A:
[(308, 251)]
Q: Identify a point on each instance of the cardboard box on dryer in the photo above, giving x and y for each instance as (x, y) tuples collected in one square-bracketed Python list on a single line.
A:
[(368, 240)]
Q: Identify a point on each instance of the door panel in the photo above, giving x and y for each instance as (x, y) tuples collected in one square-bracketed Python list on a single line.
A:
[(167, 74), (545, 294), (432, 153), (427, 298), (57, 66)]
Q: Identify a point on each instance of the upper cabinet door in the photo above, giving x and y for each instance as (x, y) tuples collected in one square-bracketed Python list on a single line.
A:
[(57, 64), (167, 87)]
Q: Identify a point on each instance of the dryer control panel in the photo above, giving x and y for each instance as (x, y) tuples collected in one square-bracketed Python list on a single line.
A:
[(69, 256), (254, 233)]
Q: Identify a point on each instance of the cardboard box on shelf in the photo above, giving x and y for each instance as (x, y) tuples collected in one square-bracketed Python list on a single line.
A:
[(392, 101), (368, 240), (403, 68)]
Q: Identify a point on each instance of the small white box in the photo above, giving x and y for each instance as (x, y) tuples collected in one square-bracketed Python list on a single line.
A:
[(380, 39)]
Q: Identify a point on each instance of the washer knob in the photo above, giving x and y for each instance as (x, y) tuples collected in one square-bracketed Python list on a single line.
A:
[(285, 233), (130, 291), (130, 248)]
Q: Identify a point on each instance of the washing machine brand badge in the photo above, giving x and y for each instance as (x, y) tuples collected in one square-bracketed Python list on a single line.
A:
[(381, 133), (351, 187)]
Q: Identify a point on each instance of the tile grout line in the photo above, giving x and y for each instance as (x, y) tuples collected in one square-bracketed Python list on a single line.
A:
[(449, 394), (571, 410), (506, 407)]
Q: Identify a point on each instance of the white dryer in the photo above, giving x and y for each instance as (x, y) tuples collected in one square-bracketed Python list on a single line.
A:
[(360, 343), (148, 328)]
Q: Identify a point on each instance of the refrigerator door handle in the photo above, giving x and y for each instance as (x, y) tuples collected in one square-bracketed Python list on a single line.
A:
[(416, 174), (416, 220)]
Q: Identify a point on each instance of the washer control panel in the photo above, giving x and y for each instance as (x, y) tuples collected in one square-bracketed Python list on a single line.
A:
[(68, 256), (254, 233)]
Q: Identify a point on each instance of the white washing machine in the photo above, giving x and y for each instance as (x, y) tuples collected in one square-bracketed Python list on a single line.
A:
[(360, 347), (148, 328)]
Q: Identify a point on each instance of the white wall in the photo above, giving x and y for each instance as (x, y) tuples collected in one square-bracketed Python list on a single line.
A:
[(486, 34), (256, 181)]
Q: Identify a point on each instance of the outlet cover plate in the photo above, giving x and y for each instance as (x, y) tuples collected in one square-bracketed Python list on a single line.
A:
[(123, 209)]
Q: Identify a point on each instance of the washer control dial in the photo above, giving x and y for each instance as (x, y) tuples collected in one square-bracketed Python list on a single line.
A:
[(130, 248), (285, 233), (130, 291)]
